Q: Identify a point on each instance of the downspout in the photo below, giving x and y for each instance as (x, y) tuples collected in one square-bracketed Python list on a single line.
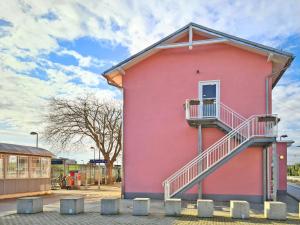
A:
[(266, 174), (266, 163), (267, 93), (200, 164), (275, 171), (122, 141)]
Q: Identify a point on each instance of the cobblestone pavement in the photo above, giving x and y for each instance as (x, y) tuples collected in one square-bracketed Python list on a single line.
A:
[(51, 215), (54, 218), (9, 205)]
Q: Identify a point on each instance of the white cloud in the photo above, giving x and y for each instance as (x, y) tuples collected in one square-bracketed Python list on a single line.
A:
[(286, 103), (136, 24)]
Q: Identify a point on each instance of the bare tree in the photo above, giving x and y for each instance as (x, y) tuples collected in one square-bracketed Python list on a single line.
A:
[(73, 122)]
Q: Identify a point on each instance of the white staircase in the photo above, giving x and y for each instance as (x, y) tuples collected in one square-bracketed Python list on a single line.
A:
[(245, 132)]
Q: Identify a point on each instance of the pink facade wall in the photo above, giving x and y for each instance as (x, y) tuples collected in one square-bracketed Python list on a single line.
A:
[(241, 176), (157, 139), (282, 151)]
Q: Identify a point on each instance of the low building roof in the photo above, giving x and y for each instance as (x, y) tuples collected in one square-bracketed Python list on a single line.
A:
[(24, 150)]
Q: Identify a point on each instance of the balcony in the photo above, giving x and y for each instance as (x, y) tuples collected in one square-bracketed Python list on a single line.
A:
[(209, 113)]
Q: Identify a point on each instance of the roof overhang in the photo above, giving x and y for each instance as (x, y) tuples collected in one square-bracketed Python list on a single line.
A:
[(281, 60), (288, 142)]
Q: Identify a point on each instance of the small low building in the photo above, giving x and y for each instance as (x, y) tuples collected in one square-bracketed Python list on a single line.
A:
[(24, 170)]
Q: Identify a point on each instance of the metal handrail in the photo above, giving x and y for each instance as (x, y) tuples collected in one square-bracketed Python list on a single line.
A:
[(195, 110), (230, 134), (252, 127)]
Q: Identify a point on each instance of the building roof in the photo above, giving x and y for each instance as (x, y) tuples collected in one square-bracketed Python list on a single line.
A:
[(281, 59), (24, 150), (288, 142)]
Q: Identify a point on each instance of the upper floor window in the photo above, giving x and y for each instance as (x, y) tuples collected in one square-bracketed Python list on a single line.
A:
[(209, 91)]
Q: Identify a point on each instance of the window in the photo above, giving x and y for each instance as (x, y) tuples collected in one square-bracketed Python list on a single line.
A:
[(45, 167), (209, 91), (40, 167), (35, 167), (1, 166), (23, 166), (12, 166), (18, 167)]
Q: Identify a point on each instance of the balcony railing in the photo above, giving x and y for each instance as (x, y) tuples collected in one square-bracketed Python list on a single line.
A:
[(209, 109)]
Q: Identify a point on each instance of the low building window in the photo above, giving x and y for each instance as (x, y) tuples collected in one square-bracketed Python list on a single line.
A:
[(1, 166), (40, 167), (23, 166), (12, 166), (45, 167), (35, 167)]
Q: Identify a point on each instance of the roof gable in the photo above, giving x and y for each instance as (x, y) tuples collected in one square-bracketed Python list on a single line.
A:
[(281, 59)]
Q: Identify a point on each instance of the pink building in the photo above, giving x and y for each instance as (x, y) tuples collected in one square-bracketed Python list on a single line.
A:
[(198, 119)]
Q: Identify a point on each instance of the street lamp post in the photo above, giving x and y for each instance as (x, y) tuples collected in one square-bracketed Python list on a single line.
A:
[(283, 136), (99, 176), (37, 137), (94, 162), (85, 173)]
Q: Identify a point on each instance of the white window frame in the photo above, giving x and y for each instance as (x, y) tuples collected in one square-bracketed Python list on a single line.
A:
[(45, 172), (8, 175), (210, 82), (26, 175), (2, 172)]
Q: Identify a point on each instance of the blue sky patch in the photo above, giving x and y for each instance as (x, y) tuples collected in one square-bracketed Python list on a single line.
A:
[(292, 45), (49, 16), (103, 50), (63, 59), (5, 23)]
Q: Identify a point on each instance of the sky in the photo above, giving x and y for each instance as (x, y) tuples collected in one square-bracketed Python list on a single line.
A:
[(61, 47)]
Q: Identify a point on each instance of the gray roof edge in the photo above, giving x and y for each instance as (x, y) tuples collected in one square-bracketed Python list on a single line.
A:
[(281, 52), (23, 149), (145, 50), (255, 44), (288, 63)]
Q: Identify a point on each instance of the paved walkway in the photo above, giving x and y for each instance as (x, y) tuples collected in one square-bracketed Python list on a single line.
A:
[(9, 206), (293, 189), (51, 215)]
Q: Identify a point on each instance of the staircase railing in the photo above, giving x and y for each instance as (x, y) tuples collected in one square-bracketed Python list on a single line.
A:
[(255, 126), (195, 109)]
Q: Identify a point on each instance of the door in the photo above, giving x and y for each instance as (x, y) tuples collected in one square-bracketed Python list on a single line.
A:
[(209, 95)]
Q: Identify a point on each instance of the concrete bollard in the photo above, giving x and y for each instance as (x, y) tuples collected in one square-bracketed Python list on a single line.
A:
[(205, 208), (173, 207), (110, 206), (29, 205), (141, 206), (275, 210), (71, 205), (239, 209)]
